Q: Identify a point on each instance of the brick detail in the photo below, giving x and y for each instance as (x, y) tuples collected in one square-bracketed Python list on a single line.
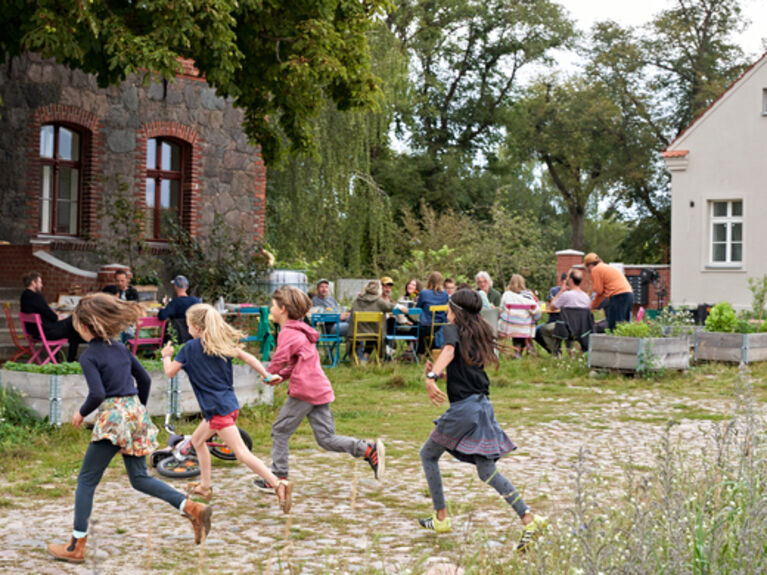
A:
[(16, 260), (90, 128), (191, 164)]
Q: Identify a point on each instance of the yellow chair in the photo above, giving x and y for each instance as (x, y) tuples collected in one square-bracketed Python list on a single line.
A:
[(435, 325), (367, 317)]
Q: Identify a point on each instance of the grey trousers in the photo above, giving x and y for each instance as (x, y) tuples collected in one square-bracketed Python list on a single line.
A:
[(554, 344), (321, 419)]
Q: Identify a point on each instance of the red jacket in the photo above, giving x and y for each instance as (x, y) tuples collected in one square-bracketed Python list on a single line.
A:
[(296, 358)]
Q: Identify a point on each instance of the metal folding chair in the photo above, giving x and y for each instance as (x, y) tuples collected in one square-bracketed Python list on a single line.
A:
[(330, 338), (405, 332), (436, 325), (371, 317), (51, 347), (22, 349), (147, 323)]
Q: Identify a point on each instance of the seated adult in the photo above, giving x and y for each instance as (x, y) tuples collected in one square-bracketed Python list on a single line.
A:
[(326, 303), (434, 294), (485, 284), (553, 316), (518, 324), (175, 310), (571, 296), (370, 300), (54, 326), (122, 288)]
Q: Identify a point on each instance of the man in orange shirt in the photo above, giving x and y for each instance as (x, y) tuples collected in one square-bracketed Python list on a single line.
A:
[(608, 282)]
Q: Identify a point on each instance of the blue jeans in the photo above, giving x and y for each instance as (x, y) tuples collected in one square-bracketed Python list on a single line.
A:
[(618, 308), (96, 460)]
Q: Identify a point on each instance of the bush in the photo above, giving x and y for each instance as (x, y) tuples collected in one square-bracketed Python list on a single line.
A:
[(16, 419), (636, 329), (722, 318)]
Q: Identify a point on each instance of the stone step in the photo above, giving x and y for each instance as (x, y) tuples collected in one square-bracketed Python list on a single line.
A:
[(8, 350), (10, 293)]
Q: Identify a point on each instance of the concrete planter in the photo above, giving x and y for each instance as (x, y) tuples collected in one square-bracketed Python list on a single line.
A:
[(732, 347), (57, 397), (638, 354)]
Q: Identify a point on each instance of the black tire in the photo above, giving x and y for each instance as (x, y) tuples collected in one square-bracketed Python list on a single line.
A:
[(172, 467), (226, 453)]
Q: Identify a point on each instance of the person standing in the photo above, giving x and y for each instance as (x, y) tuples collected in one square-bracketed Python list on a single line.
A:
[(609, 283), (54, 325), (118, 386), (468, 430)]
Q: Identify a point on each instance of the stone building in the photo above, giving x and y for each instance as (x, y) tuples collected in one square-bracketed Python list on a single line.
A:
[(67, 147)]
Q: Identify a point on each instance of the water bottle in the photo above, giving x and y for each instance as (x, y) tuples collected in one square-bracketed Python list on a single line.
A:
[(221, 306)]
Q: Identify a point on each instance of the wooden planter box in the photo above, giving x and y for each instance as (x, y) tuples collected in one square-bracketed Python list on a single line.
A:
[(57, 397), (734, 347), (638, 354)]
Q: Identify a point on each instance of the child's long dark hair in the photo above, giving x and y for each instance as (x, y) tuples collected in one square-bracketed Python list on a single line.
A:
[(477, 339)]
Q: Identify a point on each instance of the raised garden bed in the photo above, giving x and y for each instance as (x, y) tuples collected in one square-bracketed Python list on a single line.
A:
[(638, 354), (59, 396), (730, 347)]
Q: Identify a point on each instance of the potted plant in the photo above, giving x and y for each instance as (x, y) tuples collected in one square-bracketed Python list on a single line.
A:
[(727, 338), (639, 347)]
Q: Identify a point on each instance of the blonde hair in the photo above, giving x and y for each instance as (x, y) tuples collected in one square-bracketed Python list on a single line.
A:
[(296, 302), (434, 281), (105, 316), (217, 337), (516, 283)]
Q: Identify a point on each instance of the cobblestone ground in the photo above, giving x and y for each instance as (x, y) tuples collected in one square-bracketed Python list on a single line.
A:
[(343, 520)]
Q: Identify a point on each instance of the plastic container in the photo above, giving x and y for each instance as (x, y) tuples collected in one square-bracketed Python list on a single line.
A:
[(279, 278)]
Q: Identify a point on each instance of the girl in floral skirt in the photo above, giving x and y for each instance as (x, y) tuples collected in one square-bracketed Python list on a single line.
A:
[(468, 429), (122, 425)]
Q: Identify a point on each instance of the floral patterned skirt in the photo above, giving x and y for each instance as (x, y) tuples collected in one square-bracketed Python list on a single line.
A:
[(125, 422)]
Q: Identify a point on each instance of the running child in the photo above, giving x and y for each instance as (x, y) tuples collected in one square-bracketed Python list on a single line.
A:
[(309, 393), (122, 425), (207, 360), (468, 429)]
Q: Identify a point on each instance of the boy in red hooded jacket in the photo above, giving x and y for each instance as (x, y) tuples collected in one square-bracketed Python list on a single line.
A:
[(309, 392)]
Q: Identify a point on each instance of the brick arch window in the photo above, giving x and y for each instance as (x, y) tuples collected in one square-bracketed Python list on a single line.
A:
[(168, 158), (61, 150)]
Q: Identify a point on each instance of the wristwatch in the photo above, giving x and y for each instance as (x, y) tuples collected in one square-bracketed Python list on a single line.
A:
[(432, 375)]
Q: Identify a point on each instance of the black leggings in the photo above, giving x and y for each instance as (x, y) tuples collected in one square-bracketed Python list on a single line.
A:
[(96, 460)]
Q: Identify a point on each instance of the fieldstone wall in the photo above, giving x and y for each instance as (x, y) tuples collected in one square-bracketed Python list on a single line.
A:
[(226, 174)]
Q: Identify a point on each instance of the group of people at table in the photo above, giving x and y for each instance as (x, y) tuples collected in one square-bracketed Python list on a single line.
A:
[(518, 307), (58, 325)]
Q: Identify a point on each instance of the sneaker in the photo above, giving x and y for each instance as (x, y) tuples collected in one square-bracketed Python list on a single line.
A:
[(531, 533), (435, 524), (264, 485), (376, 457)]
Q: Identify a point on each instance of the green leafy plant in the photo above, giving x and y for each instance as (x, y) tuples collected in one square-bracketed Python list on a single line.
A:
[(16, 419), (636, 329), (758, 287), (675, 322), (64, 368), (763, 327), (744, 326), (722, 318)]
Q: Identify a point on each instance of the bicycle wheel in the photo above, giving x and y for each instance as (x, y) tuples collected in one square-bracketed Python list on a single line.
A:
[(223, 451), (172, 467)]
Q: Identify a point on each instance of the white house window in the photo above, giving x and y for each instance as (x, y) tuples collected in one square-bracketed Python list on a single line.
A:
[(727, 232)]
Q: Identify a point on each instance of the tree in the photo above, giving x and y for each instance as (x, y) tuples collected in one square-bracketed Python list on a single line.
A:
[(277, 60), (662, 77), (569, 127), (465, 60)]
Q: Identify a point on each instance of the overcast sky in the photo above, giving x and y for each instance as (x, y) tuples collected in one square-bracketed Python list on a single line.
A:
[(638, 12)]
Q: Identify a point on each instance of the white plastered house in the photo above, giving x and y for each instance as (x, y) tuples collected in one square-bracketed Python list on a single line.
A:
[(718, 171)]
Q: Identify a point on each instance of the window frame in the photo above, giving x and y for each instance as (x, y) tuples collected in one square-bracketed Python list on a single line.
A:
[(158, 175), (728, 220), (56, 163)]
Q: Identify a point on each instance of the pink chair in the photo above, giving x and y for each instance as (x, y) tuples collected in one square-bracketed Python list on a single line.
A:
[(147, 323), (51, 347), (21, 349)]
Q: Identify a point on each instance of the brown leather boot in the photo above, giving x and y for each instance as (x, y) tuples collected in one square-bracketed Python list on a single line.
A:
[(74, 551), (199, 514)]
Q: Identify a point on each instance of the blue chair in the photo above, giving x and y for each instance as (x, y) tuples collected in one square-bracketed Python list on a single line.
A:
[(327, 324), (405, 332)]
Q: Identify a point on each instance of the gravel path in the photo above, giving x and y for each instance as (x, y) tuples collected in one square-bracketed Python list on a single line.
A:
[(343, 520)]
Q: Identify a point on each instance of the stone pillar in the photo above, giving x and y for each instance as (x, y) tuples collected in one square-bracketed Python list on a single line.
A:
[(567, 259)]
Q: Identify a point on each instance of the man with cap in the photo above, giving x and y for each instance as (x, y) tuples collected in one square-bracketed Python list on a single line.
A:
[(326, 303), (175, 310), (386, 284), (609, 283)]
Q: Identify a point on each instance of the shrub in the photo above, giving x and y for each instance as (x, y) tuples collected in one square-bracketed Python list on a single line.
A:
[(16, 419), (722, 318), (636, 329)]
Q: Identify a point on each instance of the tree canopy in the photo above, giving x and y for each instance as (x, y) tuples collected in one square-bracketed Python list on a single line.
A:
[(277, 60)]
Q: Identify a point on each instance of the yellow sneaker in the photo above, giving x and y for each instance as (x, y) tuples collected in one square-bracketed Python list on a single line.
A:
[(435, 524), (531, 533)]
